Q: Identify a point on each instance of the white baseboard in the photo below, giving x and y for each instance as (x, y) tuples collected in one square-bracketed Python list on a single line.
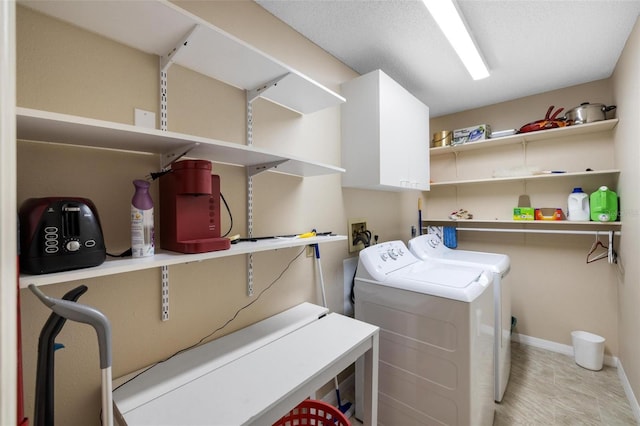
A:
[(610, 361), (560, 348), (633, 401)]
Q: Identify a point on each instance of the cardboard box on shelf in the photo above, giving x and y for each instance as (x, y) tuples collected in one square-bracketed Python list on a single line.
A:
[(523, 213), (475, 133), (549, 214)]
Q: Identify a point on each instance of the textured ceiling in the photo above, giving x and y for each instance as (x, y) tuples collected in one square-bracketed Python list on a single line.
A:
[(530, 46)]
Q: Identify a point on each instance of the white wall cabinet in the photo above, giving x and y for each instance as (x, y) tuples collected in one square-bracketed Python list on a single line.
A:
[(385, 135)]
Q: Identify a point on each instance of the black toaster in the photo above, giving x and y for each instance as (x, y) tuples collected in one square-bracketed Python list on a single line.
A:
[(59, 234)]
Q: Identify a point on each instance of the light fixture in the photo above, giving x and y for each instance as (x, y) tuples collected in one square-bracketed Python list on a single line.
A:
[(452, 25)]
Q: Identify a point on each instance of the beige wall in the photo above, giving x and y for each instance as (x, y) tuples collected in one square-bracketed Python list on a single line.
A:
[(64, 69), (554, 291), (626, 84)]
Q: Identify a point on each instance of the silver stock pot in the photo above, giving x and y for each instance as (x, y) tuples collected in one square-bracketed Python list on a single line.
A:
[(588, 113)]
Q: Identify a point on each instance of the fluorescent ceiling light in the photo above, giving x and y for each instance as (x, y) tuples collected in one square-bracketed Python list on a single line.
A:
[(450, 21)]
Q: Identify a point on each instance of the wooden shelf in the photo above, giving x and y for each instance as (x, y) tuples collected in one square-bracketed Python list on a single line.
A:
[(160, 27), (562, 132), (531, 177), (44, 126), (167, 258)]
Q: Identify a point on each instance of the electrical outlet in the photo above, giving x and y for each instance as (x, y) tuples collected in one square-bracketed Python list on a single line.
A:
[(311, 252), (355, 228)]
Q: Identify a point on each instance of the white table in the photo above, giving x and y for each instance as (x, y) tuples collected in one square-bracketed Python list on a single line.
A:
[(255, 375)]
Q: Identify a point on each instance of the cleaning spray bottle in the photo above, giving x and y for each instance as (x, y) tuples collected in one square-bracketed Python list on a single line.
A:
[(142, 231)]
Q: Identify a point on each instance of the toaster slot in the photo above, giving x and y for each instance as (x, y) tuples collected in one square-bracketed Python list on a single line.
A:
[(71, 221)]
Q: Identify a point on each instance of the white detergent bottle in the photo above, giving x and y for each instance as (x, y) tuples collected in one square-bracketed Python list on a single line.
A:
[(142, 231), (578, 206)]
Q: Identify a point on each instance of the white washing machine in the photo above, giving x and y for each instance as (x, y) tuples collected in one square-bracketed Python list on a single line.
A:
[(430, 247), (436, 338)]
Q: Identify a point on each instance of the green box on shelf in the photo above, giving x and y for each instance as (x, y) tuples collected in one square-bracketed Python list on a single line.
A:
[(523, 213)]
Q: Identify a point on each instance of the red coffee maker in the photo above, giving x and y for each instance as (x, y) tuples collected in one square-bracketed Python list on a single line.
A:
[(190, 209)]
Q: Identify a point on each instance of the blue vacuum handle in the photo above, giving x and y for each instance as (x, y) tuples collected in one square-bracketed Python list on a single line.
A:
[(84, 314)]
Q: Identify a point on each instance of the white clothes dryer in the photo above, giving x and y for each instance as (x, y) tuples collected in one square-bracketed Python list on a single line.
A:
[(436, 338), (430, 247)]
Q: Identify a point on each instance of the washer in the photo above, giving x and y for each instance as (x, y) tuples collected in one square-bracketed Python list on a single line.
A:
[(430, 247), (436, 338)]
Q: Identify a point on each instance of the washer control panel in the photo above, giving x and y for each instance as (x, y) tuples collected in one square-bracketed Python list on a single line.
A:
[(384, 258), (428, 246)]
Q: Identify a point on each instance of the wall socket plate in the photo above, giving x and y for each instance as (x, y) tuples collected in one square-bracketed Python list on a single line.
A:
[(311, 251), (354, 226)]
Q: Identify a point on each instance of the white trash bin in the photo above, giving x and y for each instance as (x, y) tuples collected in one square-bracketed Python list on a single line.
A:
[(588, 349)]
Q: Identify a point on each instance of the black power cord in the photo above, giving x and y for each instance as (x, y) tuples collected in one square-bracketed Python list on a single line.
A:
[(230, 215), (233, 317)]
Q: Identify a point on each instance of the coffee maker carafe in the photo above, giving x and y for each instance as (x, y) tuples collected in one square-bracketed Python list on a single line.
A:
[(190, 209)]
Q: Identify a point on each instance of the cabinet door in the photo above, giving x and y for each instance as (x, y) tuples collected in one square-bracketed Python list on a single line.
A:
[(385, 135), (404, 137)]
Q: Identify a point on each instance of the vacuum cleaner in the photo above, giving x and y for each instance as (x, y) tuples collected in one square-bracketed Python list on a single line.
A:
[(66, 309)]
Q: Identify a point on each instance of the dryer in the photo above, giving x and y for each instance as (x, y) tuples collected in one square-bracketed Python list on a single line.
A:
[(436, 337), (430, 247)]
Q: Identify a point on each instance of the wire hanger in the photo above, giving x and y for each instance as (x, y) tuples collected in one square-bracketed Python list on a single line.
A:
[(597, 244)]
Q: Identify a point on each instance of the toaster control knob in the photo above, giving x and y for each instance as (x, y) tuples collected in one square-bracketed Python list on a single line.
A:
[(73, 246)]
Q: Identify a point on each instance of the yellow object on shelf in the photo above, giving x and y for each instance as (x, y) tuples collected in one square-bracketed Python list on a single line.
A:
[(307, 235)]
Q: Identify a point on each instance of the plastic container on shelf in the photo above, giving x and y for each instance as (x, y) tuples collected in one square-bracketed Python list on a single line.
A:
[(604, 205), (578, 206)]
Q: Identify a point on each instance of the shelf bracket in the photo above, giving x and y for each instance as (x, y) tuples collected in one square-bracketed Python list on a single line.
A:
[(249, 197), (253, 94), (169, 157), (524, 152), (455, 162), (169, 58), (172, 156), (259, 168), (165, 293)]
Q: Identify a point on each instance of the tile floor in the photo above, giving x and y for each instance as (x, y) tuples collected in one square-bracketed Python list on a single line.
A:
[(547, 388)]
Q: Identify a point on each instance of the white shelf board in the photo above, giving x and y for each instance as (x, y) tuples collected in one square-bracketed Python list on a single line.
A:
[(158, 26), (541, 223), (36, 125), (168, 258), (531, 177), (581, 129)]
